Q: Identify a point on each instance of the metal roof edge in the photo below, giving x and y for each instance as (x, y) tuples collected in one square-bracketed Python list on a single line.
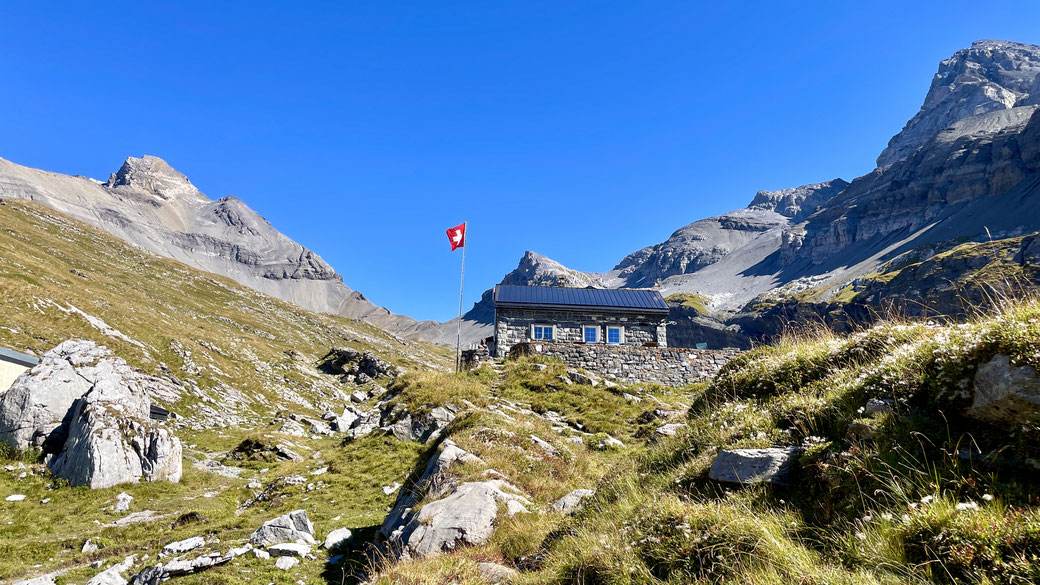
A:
[(17, 357), (605, 309)]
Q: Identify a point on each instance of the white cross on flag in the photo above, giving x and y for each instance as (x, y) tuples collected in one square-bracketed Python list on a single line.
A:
[(457, 236)]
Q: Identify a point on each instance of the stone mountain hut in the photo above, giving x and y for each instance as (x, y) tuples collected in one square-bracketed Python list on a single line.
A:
[(12, 365), (537, 314)]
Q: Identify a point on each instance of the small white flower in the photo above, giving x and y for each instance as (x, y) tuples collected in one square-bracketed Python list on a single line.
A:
[(927, 500), (987, 497), (967, 507), (861, 536), (886, 517), (868, 518)]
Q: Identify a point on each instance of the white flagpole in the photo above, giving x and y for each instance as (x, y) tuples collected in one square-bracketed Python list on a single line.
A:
[(462, 282)]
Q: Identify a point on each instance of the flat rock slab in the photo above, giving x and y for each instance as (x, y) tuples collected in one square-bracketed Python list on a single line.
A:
[(182, 546), (747, 466), (289, 549)]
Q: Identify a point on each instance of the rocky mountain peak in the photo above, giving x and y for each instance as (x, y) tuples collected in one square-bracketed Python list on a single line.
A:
[(798, 202), (537, 270), (986, 77), (153, 176)]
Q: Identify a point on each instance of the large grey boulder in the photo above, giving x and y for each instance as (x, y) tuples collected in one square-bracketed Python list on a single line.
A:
[(111, 437), (90, 410), (287, 528), (746, 466), (37, 408), (454, 515), (465, 517), (1004, 393)]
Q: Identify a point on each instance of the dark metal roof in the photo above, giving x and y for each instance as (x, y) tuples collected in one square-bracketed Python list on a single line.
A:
[(17, 357), (604, 299)]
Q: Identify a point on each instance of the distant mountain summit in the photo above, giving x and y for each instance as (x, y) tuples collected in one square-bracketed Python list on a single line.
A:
[(989, 76), (149, 203)]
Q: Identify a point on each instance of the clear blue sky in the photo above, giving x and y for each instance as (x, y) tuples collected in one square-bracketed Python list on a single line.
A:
[(582, 130)]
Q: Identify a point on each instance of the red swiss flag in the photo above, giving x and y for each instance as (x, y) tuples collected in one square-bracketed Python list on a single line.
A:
[(457, 236)]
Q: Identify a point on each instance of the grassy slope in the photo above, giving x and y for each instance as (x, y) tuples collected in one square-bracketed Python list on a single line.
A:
[(259, 350), (916, 504)]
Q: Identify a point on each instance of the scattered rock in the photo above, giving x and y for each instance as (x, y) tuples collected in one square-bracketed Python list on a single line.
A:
[(286, 563), (573, 501), (875, 407), (496, 574), (135, 518), (581, 378), (668, 430), (182, 546), (261, 554), (114, 574), (89, 546), (389, 489), (287, 528), (285, 452), (860, 431), (1006, 394), (423, 427), (122, 503), (289, 549), (336, 537), (514, 507), (609, 443), (545, 446), (48, 579), (15, 497), (746, 466), (239, 551), (346, 361)]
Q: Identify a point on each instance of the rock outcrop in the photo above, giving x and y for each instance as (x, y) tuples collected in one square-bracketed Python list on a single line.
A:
[(1006, 394), (746, 466), (286, 528), (357, 366), (90, 411), (453, 515), (986, 77)]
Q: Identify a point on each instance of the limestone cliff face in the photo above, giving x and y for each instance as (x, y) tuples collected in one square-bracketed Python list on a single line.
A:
[(987, 77), (149, 203), (933, 182)]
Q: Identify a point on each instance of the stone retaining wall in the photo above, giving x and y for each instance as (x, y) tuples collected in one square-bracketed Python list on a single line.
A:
[(671, 366)]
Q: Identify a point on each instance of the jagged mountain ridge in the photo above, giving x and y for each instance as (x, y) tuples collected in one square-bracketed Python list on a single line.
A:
[(152, 205), (964, 168)]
